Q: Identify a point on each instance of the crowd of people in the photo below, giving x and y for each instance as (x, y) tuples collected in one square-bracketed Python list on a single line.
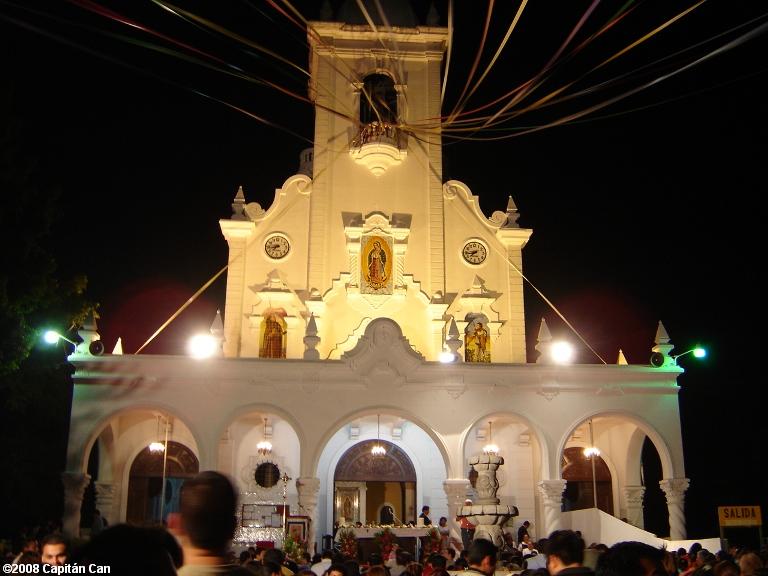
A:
[(202, 547)]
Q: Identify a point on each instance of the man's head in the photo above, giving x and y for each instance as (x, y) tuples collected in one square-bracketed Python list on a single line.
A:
[(425, 510), (482, 556), (54, 550), (526, 524), (564, 549), (630, 559), (208, 504)]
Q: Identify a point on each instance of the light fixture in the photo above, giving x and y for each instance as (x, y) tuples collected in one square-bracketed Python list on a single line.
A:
[(52, 337), (562, 352), (446, 357), (378, 449), (698, 352), (202, 346), (491, 449), (264, 448), (592, 452), (157, 446)]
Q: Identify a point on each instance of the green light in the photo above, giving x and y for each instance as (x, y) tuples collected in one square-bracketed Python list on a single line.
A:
[(51, 336), (699, 352)]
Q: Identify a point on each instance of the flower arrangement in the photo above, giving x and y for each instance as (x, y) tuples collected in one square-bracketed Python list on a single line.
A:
[(431, 543), (294, 548), (384, 539), (347, 543)]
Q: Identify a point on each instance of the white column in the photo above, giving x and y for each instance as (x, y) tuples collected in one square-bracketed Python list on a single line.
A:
[(455, 492), (74, 488), (308, 488), (105, 501), (633, 496), (674, 489), (551, 492)]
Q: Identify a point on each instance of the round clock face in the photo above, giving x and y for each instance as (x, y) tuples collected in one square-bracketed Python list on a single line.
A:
[(474, 252), (276, 246)]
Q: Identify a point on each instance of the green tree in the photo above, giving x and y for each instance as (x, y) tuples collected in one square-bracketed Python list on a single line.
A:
[(35, 382)]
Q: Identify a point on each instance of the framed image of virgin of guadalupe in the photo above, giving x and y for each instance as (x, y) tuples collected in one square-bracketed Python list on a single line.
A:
[(376, 264)]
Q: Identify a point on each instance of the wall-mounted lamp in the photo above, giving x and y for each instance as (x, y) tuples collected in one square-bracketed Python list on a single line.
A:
[(698, 352)]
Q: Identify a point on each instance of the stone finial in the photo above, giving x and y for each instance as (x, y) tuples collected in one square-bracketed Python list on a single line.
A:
[(543, 343), (661, 334), (663, 345), (433, 18), (89, 333), (453, 342), (512, 215), (217, 326), (621, 360), (238, 205), (326, 11), (311, 340)]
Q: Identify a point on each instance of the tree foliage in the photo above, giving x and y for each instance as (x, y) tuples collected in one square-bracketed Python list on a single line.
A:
[(35, 382)]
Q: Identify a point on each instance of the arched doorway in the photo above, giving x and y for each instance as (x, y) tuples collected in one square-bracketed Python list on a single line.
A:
[(375, 488), (145, 484), (580, 490)]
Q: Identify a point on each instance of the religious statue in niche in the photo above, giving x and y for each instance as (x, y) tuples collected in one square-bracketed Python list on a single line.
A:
[(477, 342), (376, 265), (273, 333)]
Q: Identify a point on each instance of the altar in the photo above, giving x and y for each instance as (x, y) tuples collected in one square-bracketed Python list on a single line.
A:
[(408, 538)]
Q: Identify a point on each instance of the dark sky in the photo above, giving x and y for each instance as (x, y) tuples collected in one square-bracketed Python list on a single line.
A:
[(647, 209)]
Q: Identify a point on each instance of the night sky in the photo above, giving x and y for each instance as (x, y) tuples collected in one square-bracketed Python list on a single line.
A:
[(647, 209)]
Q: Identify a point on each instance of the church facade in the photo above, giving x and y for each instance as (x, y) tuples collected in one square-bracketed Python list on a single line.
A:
[(371, 304)]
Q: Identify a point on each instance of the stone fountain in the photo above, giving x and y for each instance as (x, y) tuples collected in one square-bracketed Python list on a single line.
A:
[(486, 513)]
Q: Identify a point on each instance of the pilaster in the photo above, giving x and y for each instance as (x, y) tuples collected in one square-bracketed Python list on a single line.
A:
[(674, 489), (308, 488), (633, 496), (551, 492), (74, 488)]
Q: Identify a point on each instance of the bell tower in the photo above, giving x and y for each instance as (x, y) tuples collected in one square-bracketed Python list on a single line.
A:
[(377, 141)]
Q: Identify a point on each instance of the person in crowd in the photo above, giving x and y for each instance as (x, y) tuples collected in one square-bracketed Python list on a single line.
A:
[(325, 562), (523, 531), (54, 550), (336, 569), (127, 550), (631, 559), (98, 524), (352, 566), (565, 554), (208, 503), (527, 546), (399, 563), (482, 557), (750, 564), (425, 515), (467, 528), (434, 562), (28, 545), (726, 568), (278, 557), (414, 569)]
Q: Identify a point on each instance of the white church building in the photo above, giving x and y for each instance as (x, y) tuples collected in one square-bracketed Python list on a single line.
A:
[(370, 304)]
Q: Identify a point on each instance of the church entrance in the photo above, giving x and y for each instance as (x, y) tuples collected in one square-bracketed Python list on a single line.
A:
[(145, 486), (580, 490), (374, 488)]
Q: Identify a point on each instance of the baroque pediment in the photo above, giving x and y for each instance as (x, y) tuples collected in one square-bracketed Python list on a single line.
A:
[(382, 353)]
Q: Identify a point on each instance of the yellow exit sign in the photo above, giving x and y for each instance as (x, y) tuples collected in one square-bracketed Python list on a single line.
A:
[(739, 516)]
